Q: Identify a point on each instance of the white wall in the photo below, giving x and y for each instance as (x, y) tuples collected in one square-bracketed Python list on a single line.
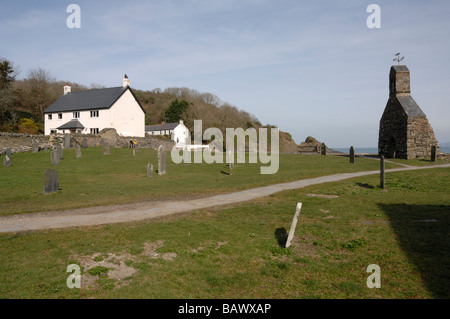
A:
[(127, 117)]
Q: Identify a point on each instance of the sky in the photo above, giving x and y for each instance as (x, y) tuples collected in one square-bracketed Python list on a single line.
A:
[(312, 68)]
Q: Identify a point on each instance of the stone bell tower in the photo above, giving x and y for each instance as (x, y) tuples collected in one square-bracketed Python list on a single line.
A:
[(404, 128)]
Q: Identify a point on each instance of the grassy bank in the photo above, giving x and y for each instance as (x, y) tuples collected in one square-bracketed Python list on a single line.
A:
[(236, 253), (95, 179)]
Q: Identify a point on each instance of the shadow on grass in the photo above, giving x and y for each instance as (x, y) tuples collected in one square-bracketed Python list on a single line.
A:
[(365, 185), (423, 232), (226, 173), (281, 235)]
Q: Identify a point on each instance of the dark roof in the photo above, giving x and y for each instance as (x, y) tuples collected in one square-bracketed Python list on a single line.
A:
[(161, 127), (72, 124), (89, 100), (410, 106)]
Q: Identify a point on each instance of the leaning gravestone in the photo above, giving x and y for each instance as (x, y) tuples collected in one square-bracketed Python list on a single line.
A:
[(293, 225), (106, 148), (149, 170), (51, 184), (34, 146), (161, 160), (8, 152), (7, 161), (67, 141), (85, 143), (433, 153), (77, 151), (352, 155), (54, 155)]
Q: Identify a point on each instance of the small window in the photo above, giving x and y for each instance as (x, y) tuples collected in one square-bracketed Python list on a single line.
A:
[(59, 116), (52, 131), (76, 115), (49, 117), (94, 130), (94, 113)]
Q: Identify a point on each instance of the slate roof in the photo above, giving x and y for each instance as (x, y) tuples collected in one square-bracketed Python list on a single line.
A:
[(72, 124), (89, 100), (401, 68), (161, 127), (410, 106)]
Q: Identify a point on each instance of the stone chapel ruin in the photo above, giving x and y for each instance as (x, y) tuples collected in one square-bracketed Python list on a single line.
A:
[(404, 128)]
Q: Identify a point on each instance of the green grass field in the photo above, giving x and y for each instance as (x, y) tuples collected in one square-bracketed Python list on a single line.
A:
[(95, 179), (237, 252)]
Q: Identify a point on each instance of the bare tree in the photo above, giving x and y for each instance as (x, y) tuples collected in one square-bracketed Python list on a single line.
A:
[(39, 81)]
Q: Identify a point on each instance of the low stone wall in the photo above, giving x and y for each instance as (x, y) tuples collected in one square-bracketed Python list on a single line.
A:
[(19, 142)]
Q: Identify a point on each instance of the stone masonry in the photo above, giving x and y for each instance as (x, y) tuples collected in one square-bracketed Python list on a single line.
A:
[(404, 128)]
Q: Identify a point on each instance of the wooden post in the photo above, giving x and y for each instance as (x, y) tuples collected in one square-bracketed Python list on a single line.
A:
[(382, 177)]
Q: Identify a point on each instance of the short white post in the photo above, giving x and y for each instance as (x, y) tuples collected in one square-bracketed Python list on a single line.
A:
[(293, 225)]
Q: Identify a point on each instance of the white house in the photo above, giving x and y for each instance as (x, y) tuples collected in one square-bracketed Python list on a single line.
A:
[(178, 132), (88, 112)]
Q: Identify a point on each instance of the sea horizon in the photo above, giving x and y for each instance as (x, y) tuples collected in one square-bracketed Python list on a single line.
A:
[(374, 150)]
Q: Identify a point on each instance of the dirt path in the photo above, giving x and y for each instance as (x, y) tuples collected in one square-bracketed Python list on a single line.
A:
[(147, 210)]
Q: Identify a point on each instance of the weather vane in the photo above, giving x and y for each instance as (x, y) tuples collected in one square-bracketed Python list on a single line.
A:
[(398, 58)]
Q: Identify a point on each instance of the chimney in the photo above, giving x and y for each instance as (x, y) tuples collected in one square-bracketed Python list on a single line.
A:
[(126, 81), (399, 81), (67, 89), (181, 121)]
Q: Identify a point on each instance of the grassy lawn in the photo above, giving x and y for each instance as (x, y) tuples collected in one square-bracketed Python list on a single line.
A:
[(95, 179), (235, 252)]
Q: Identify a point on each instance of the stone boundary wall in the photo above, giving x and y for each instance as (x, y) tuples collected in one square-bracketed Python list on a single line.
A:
[(21, 142)]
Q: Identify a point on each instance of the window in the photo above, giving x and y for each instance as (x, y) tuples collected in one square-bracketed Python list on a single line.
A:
[(94, 130), (59, 116), (52, 131), (49, 117), (94, 113), (76, 115)]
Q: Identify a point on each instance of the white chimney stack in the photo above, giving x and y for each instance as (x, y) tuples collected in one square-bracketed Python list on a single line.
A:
[(67, 89), (126, 81)]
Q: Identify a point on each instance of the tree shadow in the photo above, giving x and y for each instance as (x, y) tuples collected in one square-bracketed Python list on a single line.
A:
[(422, 232), (281, 235)]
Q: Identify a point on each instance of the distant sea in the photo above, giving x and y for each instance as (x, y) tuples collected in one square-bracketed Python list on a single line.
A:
[(374, 150)]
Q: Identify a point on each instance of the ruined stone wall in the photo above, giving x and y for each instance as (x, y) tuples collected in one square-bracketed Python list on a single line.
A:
[(393, 129), (420, 138), (20, 142)]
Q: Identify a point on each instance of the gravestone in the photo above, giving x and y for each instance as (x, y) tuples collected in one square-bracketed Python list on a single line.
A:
[(8, 152), (77, 151), (54, 155), (51, 184), (293, 225), (67, 141), (149, 170), (382, 177), (324, 149), (352, 155), (34, 146), (433, 153), (60, 151), (7, 161), (93, 143), (161, 160), (85, 143), (106, 148)]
